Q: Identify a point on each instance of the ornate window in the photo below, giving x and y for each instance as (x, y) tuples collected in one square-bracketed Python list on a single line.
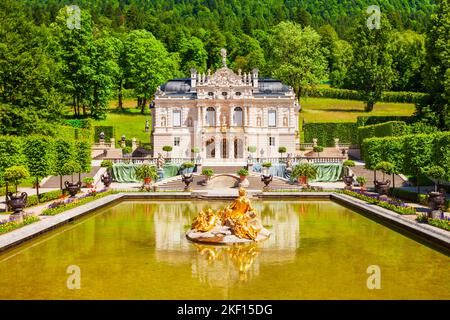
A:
[(237, 116), (177, 118), (210, 117), (272, 118)]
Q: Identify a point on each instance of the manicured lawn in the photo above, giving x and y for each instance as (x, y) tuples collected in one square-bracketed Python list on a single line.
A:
[(129, 122), (335, 110)]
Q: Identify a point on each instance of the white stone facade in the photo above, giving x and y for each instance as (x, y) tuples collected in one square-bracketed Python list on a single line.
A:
[(224, 113)]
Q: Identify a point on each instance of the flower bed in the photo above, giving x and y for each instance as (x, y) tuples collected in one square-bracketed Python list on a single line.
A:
[(70, 203), (391, 204), (10, 225), (443, 223)]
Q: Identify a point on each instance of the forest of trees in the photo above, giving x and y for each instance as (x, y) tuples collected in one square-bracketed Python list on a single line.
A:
[(140, 44)]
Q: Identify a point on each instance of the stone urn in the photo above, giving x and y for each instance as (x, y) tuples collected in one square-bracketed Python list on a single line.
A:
[(72, 188), (206, 180), (106, 180), (16, 203), (266, 179), (436, 200), (187, 179), (348, 180), (382, 187)]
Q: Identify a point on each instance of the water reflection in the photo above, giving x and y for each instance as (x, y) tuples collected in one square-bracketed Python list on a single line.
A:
[(213, 264)]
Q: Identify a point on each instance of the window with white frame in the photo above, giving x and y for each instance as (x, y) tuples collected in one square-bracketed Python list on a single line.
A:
[(272, 141), (272, 118), (210, 117), (176, 141), (177, 118), (237, 116)]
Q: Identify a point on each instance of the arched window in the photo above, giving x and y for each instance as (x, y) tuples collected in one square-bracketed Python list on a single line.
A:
[(163, 121), (210, 117), (285, 122), (177, 118), (272, 118), (258, 121), (237, 116)]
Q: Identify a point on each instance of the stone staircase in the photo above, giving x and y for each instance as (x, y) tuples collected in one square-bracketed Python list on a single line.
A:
[(54, 181), (224, 181), (223, 169), (368, 174)]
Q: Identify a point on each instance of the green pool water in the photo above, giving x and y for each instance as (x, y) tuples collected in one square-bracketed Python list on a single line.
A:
[(137, 250)]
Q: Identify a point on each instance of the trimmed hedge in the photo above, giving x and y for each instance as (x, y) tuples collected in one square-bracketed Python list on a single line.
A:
[(326, 132), (403, 97), (71, 133), (391, 128), (410, 153), (369, 120), (44, 197)]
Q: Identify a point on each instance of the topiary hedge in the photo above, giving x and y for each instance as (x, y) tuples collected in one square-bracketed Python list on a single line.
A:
[(410, 153), (326, 132), (391, 128)]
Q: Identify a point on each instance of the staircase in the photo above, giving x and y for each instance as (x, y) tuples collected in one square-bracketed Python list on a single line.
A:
[(54, 181), (223, 169), (368, 174)]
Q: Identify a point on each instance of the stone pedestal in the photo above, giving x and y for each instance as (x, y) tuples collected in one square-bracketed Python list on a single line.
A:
[(133, 144), (314, 142)]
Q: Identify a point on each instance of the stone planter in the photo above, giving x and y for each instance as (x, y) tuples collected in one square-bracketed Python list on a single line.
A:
[(187, 180), (17, 203), (106, 180), (243, 182), (382, 187), (206, 180), (348, 180), (72, 188)]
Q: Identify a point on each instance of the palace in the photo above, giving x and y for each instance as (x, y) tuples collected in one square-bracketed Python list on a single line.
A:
[(223, 114)]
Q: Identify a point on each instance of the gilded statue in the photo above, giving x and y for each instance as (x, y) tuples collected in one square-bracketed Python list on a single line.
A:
[(239, 218)]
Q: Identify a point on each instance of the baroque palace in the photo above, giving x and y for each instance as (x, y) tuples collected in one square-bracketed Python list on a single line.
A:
[(223, 114)]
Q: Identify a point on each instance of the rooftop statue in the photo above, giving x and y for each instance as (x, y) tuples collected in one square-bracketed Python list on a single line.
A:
[(238, 222)]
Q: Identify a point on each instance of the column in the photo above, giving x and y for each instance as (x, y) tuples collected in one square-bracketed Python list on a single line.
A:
[(231, 147), (217, 124), (217, 147)]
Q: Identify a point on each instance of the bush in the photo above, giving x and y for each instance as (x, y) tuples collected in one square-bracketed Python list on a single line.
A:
[(44, 197), (208, 172), (318, 149), (195, 150), (127, 150), (108, 164), (16, 174), (267, 164), (326, 133), (242, 172), (11, 154), (304, 170), (282, 150), (88, 180), (348, 163), (362, 121), (167, 148), (187, 165), (146, 171), (361, 180)]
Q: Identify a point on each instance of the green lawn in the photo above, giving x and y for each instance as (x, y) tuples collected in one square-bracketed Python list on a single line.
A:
[(129, 122), (335, 110)]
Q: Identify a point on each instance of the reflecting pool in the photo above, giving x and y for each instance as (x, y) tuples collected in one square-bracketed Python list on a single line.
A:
[(137, 250)]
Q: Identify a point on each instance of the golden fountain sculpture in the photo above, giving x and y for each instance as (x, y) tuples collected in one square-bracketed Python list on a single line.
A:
[(236, 223)]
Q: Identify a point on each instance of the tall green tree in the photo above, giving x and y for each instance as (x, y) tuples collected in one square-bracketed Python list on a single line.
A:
[(193, 55), (148, 64), (371, 70), (437, 74), (296, 56)]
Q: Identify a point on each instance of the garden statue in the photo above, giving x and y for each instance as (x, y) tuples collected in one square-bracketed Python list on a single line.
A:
[(72, 188), (266, 179), (187, 179), (146, 125), (16, 203), (102, 136), (160, 161), (106, 179), (348, 180), (236, 223)]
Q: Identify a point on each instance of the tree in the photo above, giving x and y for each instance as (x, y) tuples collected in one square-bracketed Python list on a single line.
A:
[(437, 71), (408, 54), (39, 155), (193, 55), (83, 156), (371, 71), (76, 48), (148, 64), (64, 152), (302, 17), (296, 56), (15, 175)]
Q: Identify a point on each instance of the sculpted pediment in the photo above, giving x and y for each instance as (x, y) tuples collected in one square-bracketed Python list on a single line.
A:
[(225, 77)]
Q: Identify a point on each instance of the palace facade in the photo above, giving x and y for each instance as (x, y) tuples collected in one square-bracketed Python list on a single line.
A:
[(223, 114)]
